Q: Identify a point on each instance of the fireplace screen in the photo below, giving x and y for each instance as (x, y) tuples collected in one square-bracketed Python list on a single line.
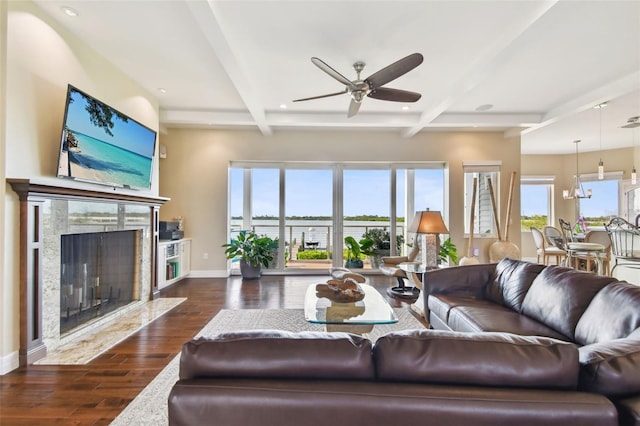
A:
[(98, 274)]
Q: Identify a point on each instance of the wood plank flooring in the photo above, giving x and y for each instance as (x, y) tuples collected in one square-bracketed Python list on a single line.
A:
[(94, 394)]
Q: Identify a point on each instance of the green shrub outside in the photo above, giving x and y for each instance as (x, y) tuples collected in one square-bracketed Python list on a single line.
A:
[(312, 255), (529, 221)]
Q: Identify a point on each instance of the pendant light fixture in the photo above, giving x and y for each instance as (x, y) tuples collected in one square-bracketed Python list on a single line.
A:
[(576, 191), (601, 163)]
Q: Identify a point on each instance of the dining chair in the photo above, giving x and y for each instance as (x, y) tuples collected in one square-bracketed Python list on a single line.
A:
[(552, 235), (601, 237), (581, 253), (546, 251)]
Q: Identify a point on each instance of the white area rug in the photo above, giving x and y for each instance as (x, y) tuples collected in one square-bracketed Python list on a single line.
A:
[(97, 341), (150, 406)]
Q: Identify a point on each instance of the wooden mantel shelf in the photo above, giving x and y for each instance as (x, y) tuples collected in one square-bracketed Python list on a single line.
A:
[(48, 188)]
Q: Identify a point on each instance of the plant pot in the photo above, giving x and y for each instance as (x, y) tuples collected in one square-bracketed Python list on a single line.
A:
[(376, 259), (248, 271), (354, 264)]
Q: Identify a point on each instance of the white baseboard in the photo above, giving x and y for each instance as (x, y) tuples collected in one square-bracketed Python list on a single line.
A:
[(8, 363), (209, 274)]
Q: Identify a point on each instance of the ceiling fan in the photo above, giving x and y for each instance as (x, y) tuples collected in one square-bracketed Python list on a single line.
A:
[(372, 85)]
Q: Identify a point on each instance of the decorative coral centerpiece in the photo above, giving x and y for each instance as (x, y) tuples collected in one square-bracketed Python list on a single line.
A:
[(345, 290)]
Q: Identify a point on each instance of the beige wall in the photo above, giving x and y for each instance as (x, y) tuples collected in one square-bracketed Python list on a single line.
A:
[(41, 59), (195, 173), (6, 316)]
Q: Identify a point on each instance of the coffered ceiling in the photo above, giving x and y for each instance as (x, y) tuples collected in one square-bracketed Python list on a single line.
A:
[(541, 66)]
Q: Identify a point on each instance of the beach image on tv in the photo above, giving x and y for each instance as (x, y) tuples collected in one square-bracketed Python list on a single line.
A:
[(102, 145)]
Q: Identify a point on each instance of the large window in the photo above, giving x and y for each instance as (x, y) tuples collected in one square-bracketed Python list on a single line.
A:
[(536, 202), (313, 207), (604, 203)]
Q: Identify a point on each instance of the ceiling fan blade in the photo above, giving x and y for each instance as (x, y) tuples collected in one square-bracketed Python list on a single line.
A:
[(354, 107), (321, 96), (333, 73), (395, 70), (395, 95)]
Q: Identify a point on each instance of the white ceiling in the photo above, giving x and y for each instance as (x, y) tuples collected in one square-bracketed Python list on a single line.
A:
[(543, 65)]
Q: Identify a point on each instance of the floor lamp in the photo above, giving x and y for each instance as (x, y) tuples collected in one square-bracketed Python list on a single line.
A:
[(429, 224)]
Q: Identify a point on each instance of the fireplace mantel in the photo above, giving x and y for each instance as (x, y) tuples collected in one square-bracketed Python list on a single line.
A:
[(45, 187), (33, 194)]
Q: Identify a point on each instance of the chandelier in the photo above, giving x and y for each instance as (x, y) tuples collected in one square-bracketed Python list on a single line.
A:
[(576, 191)]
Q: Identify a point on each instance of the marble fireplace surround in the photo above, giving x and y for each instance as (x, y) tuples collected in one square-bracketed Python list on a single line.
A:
[(49, 208)]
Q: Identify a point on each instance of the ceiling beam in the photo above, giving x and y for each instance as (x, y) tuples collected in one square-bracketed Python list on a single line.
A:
[(489, 60), (208, 17), (620, 87)]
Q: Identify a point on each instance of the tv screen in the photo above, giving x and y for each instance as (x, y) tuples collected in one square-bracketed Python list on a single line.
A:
[(101, 145)]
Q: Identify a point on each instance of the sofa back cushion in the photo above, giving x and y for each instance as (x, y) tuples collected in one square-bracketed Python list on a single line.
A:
[(278, 354), (559, 296), (611, 368), (613, 313), (486, 359), (511, 282)]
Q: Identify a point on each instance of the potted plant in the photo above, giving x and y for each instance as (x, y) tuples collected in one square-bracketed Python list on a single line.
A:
[(448, 252), (355, 249), (381, 244), (253, 251)]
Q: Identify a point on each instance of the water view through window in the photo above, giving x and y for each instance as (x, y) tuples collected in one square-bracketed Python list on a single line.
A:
[(312, 208)]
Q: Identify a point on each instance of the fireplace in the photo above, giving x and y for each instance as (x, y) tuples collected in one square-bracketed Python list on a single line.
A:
[(87, 257), (98, 275)]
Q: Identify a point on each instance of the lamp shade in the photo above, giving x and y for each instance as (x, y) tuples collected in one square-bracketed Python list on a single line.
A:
[(428, 222)]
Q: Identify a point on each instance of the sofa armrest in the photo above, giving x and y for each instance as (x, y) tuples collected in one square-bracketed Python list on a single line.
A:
[(278, 354), (469, 280), (611, 368)]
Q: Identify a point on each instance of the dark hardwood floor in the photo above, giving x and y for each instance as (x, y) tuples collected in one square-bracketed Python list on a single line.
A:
[(94, 394)]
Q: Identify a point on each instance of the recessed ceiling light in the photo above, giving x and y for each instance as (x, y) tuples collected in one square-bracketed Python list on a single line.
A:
[(162, 90), (405, 108), (485, 107), (283, 106), (69, 11)]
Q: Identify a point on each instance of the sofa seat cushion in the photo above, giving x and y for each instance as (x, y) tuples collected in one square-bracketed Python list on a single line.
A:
[(511, 282), (251, 402), (269, 354), (611, 368), (559, 296), (489, 359), (492, 317), (613, 313), (442, 304)]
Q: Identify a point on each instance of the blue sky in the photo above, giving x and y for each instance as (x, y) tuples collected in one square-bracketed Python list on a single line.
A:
[(604, 201), (130, 135), (308, 192)]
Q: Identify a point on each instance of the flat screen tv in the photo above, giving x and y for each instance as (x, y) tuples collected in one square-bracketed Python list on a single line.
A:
[(102, 145)]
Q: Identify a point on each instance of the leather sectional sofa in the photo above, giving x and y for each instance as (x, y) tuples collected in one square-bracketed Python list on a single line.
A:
[(416, 377), (519, 343), (599, 314)]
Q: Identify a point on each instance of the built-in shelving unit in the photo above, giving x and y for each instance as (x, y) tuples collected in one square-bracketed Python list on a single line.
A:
[(174, 261)]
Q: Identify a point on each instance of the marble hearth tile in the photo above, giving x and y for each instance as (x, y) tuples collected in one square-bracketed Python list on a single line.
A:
[(98, 341)]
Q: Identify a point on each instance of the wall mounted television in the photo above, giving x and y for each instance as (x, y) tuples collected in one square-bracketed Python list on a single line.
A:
[(102, 145)]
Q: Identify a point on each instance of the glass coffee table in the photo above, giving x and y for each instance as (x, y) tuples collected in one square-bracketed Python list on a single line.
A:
[(355, 317)]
